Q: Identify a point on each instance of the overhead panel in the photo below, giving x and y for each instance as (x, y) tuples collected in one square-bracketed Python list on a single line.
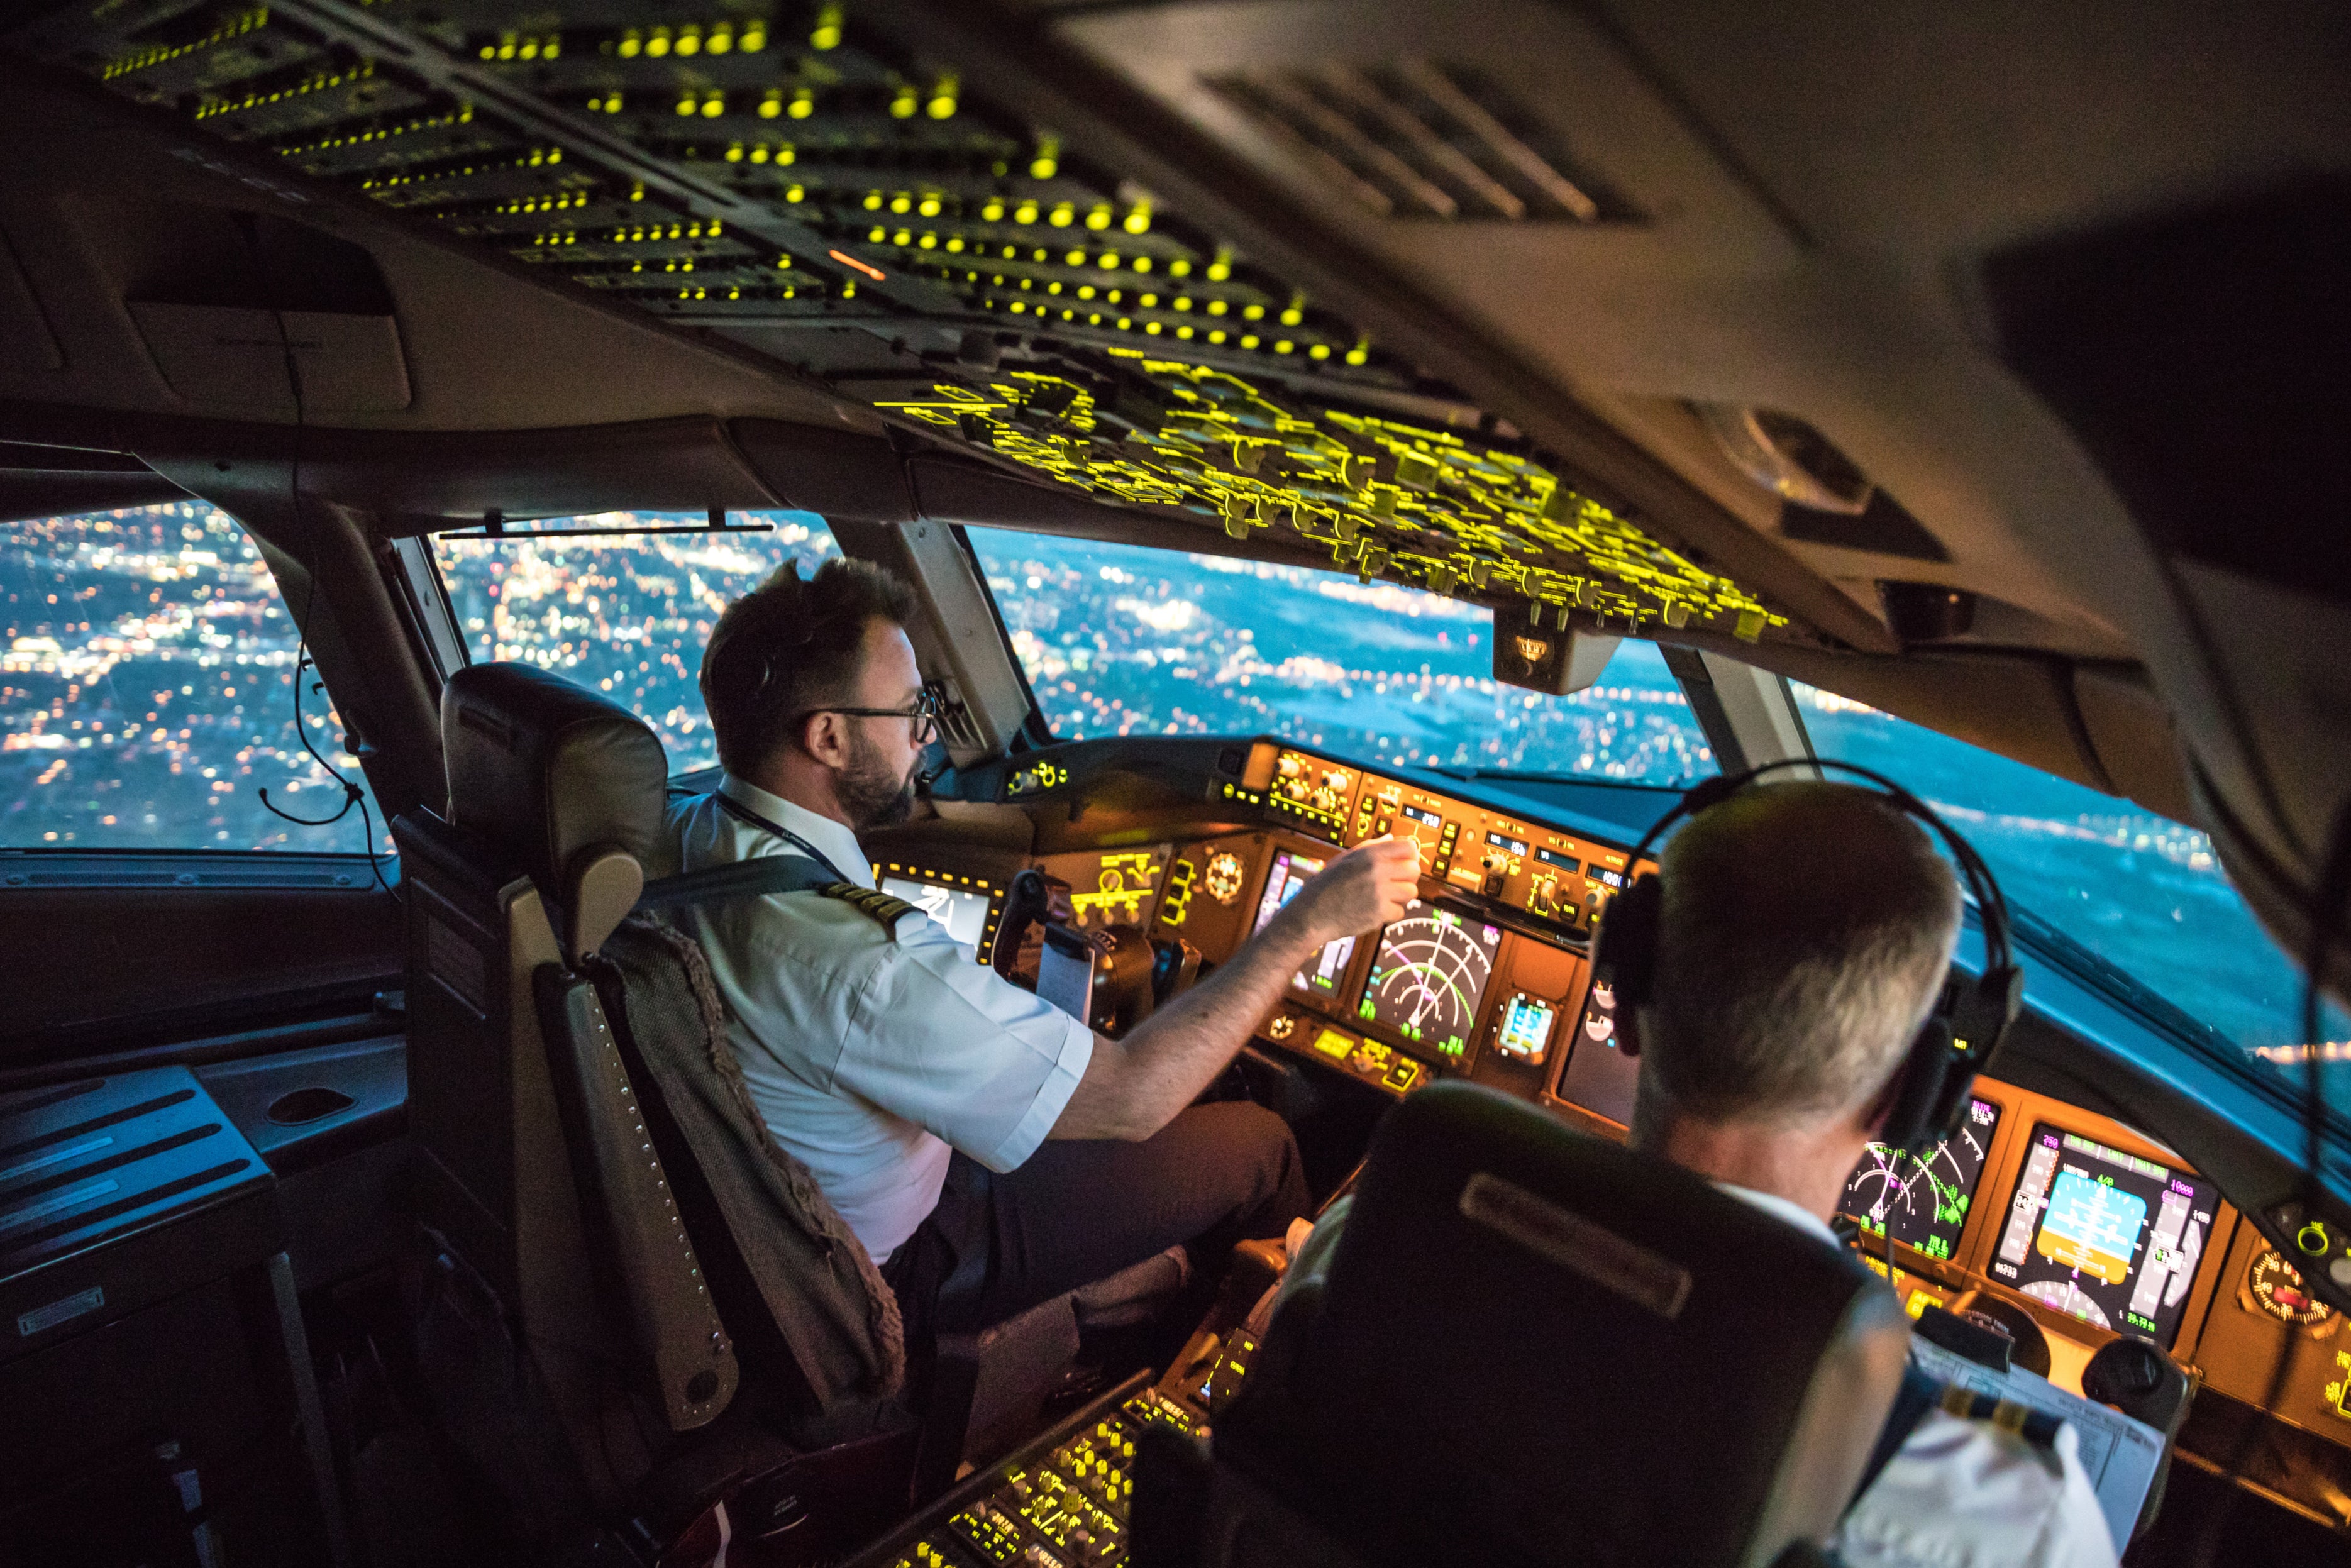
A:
[(849, 202)]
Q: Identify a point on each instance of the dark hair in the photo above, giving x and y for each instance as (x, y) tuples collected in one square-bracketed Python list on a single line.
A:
[(790, 645)]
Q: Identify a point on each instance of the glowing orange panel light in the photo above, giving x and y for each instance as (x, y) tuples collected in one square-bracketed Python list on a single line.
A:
[(875, 272)]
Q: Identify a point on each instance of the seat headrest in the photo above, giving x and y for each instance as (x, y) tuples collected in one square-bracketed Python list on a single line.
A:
[(561, 780), (1536, 1346)]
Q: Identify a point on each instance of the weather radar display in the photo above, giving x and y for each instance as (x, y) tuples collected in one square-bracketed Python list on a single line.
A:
[(1923, 1200), (1429, 976)]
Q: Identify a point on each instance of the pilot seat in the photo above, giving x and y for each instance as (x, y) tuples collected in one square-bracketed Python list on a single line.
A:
[(634, 1306), (1532, 1346)]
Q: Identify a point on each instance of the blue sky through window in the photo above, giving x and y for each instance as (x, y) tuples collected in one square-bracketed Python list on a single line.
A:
[(1121, 640)]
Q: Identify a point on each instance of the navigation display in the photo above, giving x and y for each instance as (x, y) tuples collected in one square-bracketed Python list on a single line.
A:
[(1924, 1201), (2105, 1236), (1429, 977), (963, 911), (1322, 974)]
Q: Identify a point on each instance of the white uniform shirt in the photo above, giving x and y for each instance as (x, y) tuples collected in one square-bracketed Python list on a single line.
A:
[(1962, 1493), (871, 1059), (1956, 1494)]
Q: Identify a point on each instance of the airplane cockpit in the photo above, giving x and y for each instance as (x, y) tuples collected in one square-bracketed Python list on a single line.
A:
[(1296, 425)]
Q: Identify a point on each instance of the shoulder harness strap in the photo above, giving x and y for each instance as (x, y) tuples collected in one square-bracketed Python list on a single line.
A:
[(1919, 1395), (770, 874)]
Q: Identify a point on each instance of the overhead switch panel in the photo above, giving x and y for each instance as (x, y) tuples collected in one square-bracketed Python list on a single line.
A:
[(852, 204)]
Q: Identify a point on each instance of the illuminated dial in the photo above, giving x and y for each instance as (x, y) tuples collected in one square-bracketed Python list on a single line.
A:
[(1283, 1028), (2070, 1299), (1429, 976), (1224, 876), (2276, 1289)]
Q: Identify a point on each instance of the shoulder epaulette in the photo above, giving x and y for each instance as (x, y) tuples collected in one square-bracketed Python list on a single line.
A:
[(2038, 1427), (885, 910)]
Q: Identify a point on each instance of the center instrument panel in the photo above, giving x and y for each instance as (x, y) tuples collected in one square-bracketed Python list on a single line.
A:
[(2035, 1206)]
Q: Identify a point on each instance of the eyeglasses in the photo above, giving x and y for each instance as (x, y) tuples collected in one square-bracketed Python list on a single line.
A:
[(923, 716)]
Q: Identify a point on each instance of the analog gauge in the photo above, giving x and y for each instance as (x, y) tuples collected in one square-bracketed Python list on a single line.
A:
[(1599, 1026), (2274, 1287), (1224, 876)]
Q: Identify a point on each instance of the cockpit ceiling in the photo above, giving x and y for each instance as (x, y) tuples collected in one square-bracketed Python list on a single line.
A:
[(791, 177)]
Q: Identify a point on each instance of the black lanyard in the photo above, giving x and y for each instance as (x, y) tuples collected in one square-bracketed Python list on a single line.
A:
[(735, 809)]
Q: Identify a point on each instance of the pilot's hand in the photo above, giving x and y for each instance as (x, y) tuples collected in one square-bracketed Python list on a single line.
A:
[(1361, 890)]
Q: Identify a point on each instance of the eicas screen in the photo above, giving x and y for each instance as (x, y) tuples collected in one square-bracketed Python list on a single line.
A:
[(2105, 1236), (1322, 973), (962, 911), (1924, 1200)]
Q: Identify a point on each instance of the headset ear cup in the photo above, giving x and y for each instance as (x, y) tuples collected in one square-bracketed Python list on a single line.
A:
[(1919, 1087), (1624, 949)]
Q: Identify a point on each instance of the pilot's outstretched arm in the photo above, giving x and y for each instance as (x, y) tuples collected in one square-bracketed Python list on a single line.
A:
[(1135, 1086)]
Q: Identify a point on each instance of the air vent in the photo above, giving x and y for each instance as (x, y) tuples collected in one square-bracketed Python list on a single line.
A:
[(1417, 140)]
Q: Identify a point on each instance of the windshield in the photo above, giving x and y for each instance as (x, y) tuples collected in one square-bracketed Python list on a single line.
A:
[(2139, 890), (626, 613), (1124, 639)]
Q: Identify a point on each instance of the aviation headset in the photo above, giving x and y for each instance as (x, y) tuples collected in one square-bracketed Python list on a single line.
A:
[(1970, 1015)]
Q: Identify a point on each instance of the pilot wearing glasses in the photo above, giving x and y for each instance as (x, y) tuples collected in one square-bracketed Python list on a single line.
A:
[(988, 1150)]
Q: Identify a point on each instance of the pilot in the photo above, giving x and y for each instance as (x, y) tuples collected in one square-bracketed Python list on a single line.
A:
[(989, 1150), (1805, 933)]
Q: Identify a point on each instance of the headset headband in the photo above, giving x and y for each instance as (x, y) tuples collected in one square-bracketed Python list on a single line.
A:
[(1963, 1029), (1981, 885)]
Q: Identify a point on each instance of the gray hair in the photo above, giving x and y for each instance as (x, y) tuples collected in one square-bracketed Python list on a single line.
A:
[(1806, 930)]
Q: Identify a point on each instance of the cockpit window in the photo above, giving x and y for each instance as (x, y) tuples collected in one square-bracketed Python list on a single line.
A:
[(1123, 640), (2140, 891), (626, 613), (147, 693)]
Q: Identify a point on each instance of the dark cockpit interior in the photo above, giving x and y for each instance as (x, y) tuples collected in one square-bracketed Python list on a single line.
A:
[(1299, 423)]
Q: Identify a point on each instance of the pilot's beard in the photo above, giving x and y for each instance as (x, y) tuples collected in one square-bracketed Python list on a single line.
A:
[(870, 792)]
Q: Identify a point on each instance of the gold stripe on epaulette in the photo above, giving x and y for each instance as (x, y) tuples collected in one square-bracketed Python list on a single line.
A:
[(881, 908)]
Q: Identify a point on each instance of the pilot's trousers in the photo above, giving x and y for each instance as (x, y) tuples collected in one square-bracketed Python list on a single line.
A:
[(1081, 1209)]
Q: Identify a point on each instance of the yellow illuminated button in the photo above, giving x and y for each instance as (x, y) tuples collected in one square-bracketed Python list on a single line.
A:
[(1402, 1075), (1334, 1045)]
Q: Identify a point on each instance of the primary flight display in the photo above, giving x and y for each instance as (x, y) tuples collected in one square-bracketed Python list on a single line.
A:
[(2105, 1236)]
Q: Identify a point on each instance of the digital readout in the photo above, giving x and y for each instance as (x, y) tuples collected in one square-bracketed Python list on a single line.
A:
[(1603, 874), (1567, 863), (1504, 840), (1427, 818)]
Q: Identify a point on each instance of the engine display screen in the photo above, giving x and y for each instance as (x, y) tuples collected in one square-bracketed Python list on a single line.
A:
[(2105, 1236), (962, 911), (1924, 1200), (1428, 977), (1600, 1078)]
